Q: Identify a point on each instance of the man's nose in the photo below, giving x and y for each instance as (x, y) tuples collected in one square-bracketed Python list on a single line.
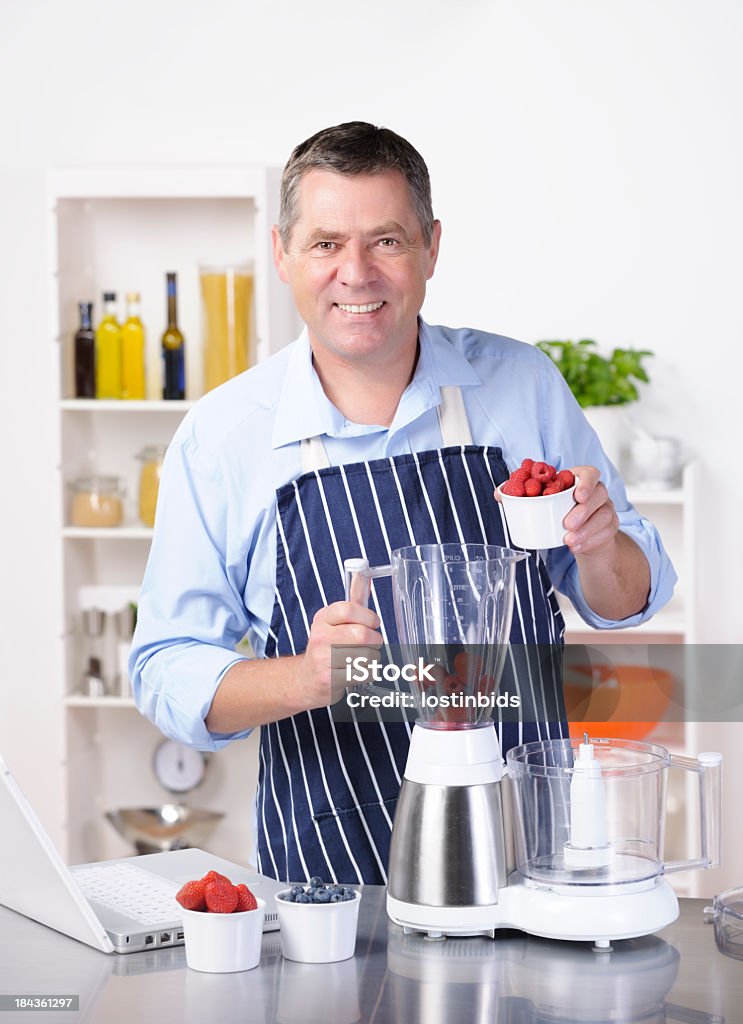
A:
[(356, 266)]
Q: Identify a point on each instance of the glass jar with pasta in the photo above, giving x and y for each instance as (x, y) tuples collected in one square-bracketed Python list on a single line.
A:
[(227, 312)]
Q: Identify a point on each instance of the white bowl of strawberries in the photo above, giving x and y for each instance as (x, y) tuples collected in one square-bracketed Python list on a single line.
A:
[(536, 498), (222, 924)]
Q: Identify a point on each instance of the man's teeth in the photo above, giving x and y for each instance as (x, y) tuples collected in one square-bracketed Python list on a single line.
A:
[(370, 307)]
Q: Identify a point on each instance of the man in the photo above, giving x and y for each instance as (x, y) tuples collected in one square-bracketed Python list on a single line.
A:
[(372, 431)]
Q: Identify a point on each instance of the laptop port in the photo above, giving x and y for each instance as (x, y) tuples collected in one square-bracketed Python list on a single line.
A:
[(179, 936), (149, 940), (165, 937)]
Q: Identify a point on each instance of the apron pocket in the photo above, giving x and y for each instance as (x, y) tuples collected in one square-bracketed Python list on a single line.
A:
[(358, 840)]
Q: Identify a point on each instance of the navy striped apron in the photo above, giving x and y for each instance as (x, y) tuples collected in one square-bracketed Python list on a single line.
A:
[(327, 790)]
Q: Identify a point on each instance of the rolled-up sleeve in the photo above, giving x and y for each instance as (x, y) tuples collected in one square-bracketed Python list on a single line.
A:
[(191, 612)]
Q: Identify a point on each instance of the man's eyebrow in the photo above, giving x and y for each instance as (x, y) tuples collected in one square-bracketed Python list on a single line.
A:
[(388, 228)]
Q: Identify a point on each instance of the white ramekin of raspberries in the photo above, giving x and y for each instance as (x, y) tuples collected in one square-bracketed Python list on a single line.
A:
[(535, 499)]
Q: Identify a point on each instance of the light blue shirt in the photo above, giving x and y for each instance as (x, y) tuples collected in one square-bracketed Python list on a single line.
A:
[(210, 577)]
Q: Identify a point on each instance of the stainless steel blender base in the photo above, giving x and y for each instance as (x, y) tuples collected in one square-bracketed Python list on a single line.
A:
[(447, 846)]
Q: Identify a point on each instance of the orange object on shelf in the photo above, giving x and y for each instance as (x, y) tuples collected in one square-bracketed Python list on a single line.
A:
[(622, 701)]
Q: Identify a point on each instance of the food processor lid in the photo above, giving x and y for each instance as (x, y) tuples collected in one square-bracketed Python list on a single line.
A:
[(616, 757), (726, 913)]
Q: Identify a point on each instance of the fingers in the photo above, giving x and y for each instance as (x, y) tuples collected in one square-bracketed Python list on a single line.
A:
[(344, 612)]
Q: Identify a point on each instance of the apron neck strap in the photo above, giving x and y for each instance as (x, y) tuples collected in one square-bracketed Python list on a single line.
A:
[(455, 430)]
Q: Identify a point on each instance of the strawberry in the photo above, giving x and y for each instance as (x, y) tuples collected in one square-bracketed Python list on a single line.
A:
[(513, 487), (192, 895), (567, 478), (555, 487), (528, 465), (532, 488), (221, 896), (245, 899), (543, 472), (214, 876)]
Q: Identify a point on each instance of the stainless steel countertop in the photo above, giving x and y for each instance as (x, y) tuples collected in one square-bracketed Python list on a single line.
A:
[(677, 975)]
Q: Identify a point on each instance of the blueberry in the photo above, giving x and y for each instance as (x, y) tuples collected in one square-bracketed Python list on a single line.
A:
[(288, 897), (303, 898), (348, 896), (322, 896), (349, 891), (336, 897), (296, 889), (316, 882)]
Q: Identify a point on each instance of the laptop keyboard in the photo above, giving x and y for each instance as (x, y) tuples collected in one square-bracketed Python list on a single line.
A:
[(145, 897)]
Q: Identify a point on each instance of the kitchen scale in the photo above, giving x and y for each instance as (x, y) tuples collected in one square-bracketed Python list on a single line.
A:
[(564, 840)]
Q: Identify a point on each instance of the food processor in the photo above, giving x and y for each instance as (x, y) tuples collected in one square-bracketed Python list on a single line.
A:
[(563, 841)]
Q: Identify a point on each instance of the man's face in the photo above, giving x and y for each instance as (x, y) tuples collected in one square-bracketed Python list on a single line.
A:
[(357, 265)]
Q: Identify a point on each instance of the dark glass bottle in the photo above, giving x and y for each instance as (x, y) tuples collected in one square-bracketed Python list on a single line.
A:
[(85, 353), (173, 348)]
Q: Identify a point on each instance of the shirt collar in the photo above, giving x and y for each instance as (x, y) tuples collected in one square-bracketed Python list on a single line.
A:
[(304, 410)]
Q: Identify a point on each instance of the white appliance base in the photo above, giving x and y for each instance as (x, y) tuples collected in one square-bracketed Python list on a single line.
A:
[(541, 911)]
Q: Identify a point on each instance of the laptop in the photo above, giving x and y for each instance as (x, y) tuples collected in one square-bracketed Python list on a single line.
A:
[(116, 906)]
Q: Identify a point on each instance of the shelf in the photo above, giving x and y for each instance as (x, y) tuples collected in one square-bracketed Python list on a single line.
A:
[(122, 405), (75, 700), (654, 496), (107, 532)]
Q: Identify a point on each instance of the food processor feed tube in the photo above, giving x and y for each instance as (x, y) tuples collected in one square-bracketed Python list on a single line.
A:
[(589, 843)]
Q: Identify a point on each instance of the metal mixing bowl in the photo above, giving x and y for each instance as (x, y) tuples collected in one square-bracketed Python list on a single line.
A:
[(168, 827)]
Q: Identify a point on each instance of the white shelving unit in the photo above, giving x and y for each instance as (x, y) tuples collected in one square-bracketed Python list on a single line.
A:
[(122, 228)]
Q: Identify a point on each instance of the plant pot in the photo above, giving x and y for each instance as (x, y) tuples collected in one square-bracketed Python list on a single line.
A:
[(612, 427)]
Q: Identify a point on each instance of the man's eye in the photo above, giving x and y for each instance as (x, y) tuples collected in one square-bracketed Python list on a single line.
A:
[(388, 243), (325, 246)]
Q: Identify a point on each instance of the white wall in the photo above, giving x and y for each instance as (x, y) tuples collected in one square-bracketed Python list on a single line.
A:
[(586, 159)]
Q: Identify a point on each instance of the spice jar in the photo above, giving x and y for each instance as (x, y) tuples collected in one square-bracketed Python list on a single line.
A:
[(97, 501), (151, 458)]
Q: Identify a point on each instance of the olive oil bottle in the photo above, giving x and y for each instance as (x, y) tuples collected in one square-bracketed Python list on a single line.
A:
[(132, 350), (108, 351), (173, 348)]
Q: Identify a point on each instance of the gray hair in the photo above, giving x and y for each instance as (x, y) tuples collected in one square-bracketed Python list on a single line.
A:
[(356, 148)]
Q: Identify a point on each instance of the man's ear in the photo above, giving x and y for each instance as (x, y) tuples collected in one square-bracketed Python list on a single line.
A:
[(433, 249), (279, 255)]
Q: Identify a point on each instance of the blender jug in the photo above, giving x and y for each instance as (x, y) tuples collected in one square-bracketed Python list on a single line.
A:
[(453, 605)]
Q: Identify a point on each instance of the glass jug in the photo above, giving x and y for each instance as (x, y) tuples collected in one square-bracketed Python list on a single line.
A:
[(592, 813), (453, 606)]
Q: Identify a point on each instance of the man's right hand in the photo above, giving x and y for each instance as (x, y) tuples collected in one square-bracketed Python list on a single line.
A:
[(320, 678)]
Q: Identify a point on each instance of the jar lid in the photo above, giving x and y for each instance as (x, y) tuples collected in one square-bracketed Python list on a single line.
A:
[(152, 452), (97, 484)]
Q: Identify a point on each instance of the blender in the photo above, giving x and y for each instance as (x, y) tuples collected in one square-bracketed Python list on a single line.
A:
[(566, 840)]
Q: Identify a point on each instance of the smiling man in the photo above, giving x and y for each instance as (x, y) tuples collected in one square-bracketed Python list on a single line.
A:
[(372, 431)]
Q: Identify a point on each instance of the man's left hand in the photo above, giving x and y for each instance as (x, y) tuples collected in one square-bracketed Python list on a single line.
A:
[(593, 522)]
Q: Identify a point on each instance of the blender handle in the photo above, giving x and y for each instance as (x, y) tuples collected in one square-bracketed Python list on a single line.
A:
[(357, 577), (709, 768)]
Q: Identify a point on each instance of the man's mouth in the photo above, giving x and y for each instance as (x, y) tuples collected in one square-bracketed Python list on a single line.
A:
[(369, 307)]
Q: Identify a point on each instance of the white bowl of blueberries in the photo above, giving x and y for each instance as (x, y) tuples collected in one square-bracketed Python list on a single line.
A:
[(318, 921)]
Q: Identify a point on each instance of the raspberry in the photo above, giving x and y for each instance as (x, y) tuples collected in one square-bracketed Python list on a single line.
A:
[(567, 478), (528, 465), (543, 472), (192, 895), (245, 899), (532, 488), (515, 488), (221, 896), (520, 474), (555, 487)]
